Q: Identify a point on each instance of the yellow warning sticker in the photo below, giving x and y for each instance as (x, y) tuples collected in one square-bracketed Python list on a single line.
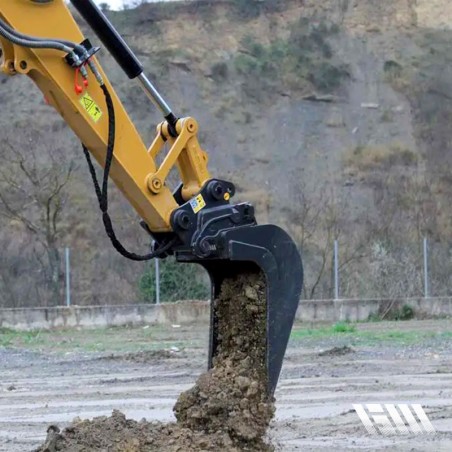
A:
[(197, 203), (87, 102)]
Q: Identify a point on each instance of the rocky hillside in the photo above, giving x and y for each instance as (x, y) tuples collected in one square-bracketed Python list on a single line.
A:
[(333, 117)]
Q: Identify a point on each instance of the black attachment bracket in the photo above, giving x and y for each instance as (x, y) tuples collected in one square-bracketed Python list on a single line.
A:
[(199, 222), (82, 58)]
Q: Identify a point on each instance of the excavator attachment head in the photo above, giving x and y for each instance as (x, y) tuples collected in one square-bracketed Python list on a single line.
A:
[(228, 243), (267, 249)]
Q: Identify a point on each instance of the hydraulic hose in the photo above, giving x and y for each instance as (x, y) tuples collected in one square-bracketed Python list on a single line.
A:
[(102, 191), (18, 34), (32, 44)]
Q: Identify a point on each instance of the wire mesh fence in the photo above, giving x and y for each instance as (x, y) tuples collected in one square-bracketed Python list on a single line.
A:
[(379, 270), (93, 277)]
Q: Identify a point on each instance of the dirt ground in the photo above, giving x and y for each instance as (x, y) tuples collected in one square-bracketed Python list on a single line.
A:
[(52, 378)]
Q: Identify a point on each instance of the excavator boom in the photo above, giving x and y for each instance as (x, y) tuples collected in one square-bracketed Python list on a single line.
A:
[(197, 222)]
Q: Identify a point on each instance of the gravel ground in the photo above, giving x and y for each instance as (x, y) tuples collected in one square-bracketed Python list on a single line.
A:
[(325, 372)]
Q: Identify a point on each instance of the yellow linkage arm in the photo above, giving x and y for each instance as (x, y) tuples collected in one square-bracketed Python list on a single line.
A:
[(134, 168)]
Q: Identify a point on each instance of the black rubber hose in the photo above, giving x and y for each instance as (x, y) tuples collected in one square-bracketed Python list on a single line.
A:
[(102, 192), (33, 44), (35, 38)]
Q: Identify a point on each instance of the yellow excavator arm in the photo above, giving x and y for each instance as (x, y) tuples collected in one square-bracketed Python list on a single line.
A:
[(197, 222), (134, 168)]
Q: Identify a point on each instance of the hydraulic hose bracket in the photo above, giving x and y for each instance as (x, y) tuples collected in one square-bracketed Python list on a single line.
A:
[(76, 58), (121, 52)]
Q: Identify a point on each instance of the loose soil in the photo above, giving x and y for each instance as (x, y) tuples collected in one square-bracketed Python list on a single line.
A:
[(337, 351), (232, 397), (227, 409), (148, 356)]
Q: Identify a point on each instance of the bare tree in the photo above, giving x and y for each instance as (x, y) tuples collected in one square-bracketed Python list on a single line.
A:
[(320, 215), (34, 178), (323, 213)]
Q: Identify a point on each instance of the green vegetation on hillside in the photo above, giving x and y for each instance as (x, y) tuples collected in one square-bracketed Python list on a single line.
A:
[(305, 59), (251, 9)]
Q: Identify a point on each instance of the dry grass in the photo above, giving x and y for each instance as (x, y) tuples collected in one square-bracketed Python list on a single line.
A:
[(378, 157)]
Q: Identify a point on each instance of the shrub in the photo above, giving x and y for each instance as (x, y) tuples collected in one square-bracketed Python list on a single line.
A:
[(392, 69), (395, 74), (407, 312), (220, 71), (245, 64), (247, 9), (327, 77), (177, 282)]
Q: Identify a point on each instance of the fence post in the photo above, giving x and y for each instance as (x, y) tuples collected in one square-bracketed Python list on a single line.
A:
[(336, 270), (68, 278), (426, 288), (157, 281)]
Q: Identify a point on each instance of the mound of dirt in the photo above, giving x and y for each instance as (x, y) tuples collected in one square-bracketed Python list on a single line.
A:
[(118, 434), (337, 351), (227, 409)]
